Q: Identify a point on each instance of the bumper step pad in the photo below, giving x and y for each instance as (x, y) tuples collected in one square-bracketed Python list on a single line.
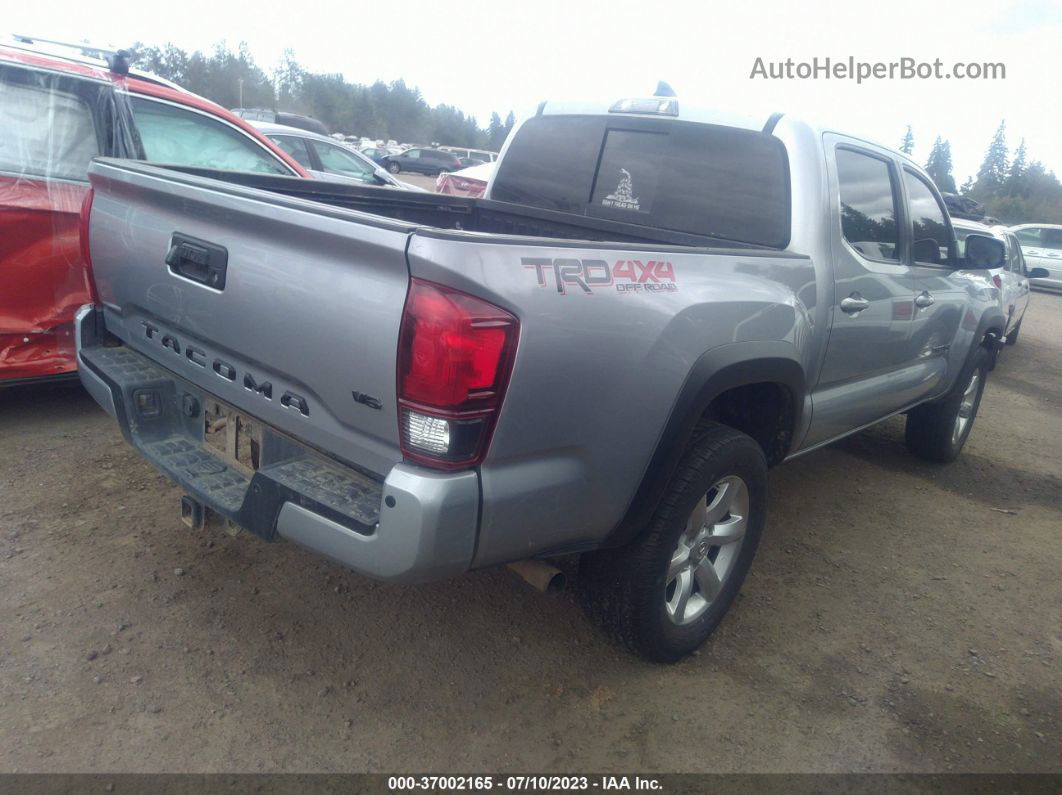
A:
[(174, 441)]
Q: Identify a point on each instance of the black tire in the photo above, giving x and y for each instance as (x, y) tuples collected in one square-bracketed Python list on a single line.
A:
[(1012, 338), (931, 428), (624, 590), (394, 168)]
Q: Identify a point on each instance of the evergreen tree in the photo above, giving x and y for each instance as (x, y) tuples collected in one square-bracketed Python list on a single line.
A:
[(939, 166), (496, 132), (1016, 176), (993, 171), (907, 145)]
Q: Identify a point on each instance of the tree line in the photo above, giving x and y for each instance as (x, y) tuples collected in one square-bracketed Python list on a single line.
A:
[(1012, 187), (379, 111)]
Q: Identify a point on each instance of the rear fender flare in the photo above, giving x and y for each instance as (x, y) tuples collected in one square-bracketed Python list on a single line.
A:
[(715, 372)]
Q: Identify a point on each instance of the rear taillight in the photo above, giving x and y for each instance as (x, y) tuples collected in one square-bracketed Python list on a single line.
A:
[(83, 240), (455, 355)]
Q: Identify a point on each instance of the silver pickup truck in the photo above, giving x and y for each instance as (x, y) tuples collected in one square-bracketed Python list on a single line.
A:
[(651, 305)]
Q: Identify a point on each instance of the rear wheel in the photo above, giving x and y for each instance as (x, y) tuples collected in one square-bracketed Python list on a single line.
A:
[(664, 594), (937, 431), (394, 168)]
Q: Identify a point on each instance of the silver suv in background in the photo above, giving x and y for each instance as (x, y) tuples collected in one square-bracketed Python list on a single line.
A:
[(1009, 277)]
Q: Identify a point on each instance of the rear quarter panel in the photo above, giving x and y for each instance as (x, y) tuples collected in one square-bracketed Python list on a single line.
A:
[(600, 366)]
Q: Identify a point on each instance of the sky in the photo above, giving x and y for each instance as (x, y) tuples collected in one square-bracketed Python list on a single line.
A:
[(502, 55)]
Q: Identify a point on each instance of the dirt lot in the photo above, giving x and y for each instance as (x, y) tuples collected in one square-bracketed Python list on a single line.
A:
[(900, 617)]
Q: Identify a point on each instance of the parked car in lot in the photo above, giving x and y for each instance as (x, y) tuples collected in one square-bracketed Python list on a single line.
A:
[(59, 109), (1042, 247), (377, 154), (471, 182), (422, 160), (602, 356), (268, 116), (482, 155), (324, 158), (1009, 277)]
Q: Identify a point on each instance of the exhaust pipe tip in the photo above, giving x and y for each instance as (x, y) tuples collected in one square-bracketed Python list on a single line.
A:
[(541, 576)]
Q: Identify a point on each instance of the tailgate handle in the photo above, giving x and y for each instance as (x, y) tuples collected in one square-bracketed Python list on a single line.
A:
[(198, 260)]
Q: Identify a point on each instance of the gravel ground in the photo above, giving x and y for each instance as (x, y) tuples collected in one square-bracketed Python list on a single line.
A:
[(900, 617)]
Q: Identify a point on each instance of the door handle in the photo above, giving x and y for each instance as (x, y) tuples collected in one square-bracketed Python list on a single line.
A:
[(198, 260), (923, 299), (854, 304)]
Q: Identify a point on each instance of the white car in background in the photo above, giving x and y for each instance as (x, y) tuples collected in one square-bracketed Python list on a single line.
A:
[(326, 159), (1042, 246), (1011, 280)]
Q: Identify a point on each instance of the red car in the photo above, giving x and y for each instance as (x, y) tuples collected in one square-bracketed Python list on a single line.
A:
[(59, 108)]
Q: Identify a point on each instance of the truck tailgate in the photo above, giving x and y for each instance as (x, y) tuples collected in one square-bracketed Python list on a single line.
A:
[(286, 309)]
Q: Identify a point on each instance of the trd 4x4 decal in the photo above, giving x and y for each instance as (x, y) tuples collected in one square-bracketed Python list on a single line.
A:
[(627, 275)]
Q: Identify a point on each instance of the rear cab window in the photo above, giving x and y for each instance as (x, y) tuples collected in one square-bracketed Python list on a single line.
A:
[(695, 178)]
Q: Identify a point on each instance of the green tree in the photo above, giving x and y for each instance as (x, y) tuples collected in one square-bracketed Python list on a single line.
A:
[(907, 144), (938, 166), (993, 171), (496, 132), (380, 110), (1015, 184)]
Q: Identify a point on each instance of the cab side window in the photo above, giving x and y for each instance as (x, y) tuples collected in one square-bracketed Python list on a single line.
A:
[(868, 205), (932, 238), (185, 138)]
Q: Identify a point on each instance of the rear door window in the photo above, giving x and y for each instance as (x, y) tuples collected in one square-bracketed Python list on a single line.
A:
[(47, 130), (868, 205), (699, 179)]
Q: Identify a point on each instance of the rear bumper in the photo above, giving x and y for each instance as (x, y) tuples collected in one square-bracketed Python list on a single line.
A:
[(414, 525)]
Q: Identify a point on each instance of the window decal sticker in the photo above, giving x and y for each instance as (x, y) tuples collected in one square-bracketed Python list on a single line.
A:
[(623, 197)]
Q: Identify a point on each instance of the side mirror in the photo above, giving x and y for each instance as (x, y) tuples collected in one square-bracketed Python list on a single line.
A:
[(927, 250), (983, 251), (1038, 273)]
